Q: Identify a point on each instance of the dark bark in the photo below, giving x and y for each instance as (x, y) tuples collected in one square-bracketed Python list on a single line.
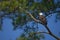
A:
[(50, 33)]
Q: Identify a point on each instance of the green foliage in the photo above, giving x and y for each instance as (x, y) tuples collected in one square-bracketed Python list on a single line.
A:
[(31, 36), (31, 33), (22, 37), (20, 20), (8, 6), (3, 5), (13, 6), (48, 5), (29, 5)]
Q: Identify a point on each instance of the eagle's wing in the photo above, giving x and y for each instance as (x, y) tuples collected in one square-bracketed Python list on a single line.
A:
[(43, 19)]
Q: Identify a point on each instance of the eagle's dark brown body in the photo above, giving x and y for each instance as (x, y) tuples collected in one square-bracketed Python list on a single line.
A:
[(43, 19)]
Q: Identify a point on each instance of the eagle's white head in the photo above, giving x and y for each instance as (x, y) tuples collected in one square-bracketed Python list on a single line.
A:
[(41, 13), (42, 18)]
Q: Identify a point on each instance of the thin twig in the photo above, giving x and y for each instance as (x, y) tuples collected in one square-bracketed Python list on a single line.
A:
[(43, 32), (28, 13)]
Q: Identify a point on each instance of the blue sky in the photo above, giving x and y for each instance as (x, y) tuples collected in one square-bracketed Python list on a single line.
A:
[(7, 32)]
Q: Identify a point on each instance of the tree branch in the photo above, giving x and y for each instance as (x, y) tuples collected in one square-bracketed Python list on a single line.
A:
[(28, 13), (43, 32), (50, 33), (32, 16)]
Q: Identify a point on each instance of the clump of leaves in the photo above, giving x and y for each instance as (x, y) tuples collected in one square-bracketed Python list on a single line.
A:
[(20, 20)]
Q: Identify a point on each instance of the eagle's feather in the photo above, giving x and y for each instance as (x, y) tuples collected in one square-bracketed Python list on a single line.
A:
[(43, 19)]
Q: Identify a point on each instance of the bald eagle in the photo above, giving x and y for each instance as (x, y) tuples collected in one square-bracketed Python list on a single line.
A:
[(42, 18)]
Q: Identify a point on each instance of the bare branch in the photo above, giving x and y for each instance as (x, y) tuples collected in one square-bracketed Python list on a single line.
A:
[(43, 32), (50, 33), (28, 13), (32, 17)]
